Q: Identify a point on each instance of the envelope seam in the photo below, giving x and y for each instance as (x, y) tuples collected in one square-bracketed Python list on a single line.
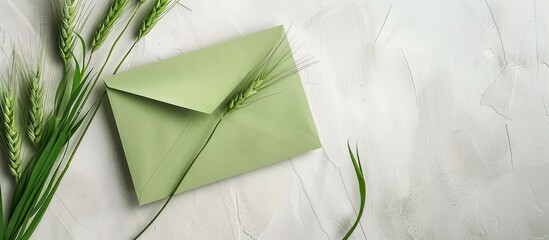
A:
[(165, 156)]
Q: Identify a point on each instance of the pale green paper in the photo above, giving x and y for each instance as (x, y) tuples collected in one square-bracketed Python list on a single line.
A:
[(164, 112)]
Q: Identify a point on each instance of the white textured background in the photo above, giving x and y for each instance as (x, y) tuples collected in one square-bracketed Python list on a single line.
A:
[(448, 99)]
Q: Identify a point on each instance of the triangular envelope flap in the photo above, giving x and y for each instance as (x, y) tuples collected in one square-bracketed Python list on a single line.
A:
[(199, 80)]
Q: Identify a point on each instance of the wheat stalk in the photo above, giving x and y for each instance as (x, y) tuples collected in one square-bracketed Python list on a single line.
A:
[(160, 8), (114, 13), (10, 129), (69, 119)]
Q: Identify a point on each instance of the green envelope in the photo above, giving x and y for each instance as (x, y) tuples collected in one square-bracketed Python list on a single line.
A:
[(165, 111)]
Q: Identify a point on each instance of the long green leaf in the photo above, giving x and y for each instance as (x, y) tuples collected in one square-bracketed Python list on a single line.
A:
[(76, 78), (60, 93), (36, 182), (22, 192), (50, 192), (26, 210), (23, 208), (84, 47)]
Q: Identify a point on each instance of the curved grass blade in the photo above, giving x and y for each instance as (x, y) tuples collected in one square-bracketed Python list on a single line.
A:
[(37, 176), (361, 185), (47, 196), (47, 157)]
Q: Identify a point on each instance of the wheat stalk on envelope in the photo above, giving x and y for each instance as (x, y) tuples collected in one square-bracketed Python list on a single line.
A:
[(164, 113)]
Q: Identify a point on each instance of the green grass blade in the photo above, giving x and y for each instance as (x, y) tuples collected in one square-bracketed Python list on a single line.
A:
[(43, 206), (41, 180), (36, 181), (23, 182), (362, 188), (77, 103), (76, 78), (49, 129), (22, 192), (79, 71), (358, 159), (48, 188), (60, 93), (84, 47), (50, 183), (26, 209), (47, 196)]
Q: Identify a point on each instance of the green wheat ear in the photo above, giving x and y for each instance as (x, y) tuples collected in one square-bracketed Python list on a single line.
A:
[(160, 8), (11, 133), (67, 32), (10, 129), (274, 67), (114, 13), (35, 121)]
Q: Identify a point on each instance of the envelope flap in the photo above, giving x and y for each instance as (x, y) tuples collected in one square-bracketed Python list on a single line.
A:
[(199, 80)]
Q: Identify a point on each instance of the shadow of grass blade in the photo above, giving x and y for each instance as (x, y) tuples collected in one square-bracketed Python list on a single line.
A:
[(361, 185)]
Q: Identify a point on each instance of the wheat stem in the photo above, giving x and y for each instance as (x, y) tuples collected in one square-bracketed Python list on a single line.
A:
[(109, 56), (111, 50), (181, 178), (88, 123), (125, 56)]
